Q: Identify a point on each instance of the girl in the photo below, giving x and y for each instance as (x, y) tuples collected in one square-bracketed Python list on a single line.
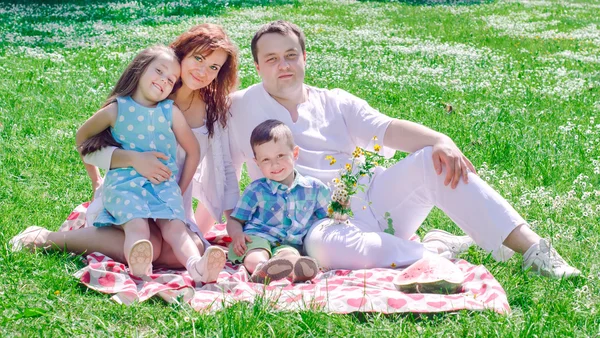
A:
[(208, 74), (141, 119)]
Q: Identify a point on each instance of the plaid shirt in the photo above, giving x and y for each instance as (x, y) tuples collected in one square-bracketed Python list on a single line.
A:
[(280, 214)]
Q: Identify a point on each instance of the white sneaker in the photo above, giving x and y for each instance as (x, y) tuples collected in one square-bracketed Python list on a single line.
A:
[(206, 269), (455, 244), (543, 259), (30, 238)]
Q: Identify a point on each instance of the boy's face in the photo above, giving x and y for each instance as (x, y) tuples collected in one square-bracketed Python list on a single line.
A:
[(281, 63), (276, 161)]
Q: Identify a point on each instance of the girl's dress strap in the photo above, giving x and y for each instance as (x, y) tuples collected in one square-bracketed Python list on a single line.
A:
[(167, 108)]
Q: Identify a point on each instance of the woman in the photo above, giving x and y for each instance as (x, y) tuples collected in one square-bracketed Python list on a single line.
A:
[(208, 75)]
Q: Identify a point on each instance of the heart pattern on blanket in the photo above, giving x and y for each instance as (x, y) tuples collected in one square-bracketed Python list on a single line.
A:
[(336, 291)]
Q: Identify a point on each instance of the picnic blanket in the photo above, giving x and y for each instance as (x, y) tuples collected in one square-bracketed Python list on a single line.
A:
[(335, 291)]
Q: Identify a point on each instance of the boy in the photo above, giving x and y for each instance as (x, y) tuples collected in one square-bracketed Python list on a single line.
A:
[(275, 212)]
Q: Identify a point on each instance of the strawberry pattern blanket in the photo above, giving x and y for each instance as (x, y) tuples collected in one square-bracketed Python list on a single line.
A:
[(335, 291)]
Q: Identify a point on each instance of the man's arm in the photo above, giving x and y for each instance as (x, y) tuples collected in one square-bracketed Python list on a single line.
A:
[(409, 136)]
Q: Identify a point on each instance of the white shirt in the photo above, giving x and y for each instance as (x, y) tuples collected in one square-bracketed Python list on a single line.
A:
[(331, 122)]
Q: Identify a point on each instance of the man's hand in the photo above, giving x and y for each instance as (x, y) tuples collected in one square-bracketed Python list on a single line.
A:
[(446, 153), (239, 241), (148, 165)]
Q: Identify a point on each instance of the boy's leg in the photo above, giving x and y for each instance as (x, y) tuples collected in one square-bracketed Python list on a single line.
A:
[(305, 268)]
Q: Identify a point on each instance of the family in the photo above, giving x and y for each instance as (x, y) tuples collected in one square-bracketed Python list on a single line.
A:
[(175, 128)]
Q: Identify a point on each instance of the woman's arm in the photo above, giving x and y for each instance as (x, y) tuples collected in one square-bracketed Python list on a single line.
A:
[(186, 139), (98, 122), (145, 163)]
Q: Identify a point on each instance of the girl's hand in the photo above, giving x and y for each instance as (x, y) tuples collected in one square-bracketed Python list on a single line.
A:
[(239, 241), (148, 165)]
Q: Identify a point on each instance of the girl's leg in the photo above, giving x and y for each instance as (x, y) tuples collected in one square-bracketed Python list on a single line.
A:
[(203, 269), (135, 230), (174, 232), (167, 258)]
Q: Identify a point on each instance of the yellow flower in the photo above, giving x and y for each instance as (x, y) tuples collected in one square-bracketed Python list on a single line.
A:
[(56, 293), (329, 157), (330, 210), (355, 184), (393, 265), (364, 207), (377, 147), (374, 138), (336, 180), (332, 162), (348, 166), (375, 163)]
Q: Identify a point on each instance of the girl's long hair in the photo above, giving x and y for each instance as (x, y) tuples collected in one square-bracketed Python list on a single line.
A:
[(126, 86), (204, 39)]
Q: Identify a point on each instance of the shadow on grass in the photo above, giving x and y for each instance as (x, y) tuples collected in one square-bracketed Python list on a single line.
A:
[(435, 2)]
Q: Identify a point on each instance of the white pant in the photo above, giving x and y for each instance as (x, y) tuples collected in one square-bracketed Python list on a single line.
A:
[(408, 191)]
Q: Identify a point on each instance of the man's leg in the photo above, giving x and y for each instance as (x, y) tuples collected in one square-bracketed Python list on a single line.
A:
[(359, 246), (411, 188)]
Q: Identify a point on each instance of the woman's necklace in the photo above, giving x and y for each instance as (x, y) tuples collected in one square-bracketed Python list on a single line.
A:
[(191, 101)]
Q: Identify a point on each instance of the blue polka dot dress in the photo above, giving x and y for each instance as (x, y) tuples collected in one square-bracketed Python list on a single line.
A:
[(127, 194)]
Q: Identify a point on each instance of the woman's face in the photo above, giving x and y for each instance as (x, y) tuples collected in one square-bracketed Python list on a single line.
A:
[(198, 69)]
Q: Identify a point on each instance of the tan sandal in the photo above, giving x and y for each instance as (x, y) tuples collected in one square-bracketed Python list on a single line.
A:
[(140, 258)]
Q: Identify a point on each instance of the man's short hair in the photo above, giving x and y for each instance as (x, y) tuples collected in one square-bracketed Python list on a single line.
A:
[(280, 27), (271, 130)]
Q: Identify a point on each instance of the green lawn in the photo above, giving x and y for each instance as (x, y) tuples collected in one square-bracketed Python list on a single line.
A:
[(522, 77)]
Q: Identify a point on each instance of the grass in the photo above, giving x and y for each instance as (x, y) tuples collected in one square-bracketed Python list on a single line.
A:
[(522, 77)]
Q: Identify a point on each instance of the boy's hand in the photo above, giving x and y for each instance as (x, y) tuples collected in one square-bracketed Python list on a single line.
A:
[(239, 241)]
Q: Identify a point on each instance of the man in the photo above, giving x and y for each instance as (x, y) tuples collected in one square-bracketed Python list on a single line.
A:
[(333, 123)]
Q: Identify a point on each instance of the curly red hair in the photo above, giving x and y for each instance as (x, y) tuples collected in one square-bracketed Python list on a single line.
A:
[(205, 39)]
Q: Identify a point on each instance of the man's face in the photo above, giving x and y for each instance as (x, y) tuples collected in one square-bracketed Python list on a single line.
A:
[(281, 64)]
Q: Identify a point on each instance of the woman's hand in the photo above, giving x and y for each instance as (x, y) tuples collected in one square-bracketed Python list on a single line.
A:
[(95, 185), (148, 165), (446, 153)]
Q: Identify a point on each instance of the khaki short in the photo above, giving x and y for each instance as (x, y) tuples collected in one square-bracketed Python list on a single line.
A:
[(260, 243)]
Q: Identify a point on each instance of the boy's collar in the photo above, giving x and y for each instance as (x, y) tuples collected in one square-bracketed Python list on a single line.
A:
[(300, 180)]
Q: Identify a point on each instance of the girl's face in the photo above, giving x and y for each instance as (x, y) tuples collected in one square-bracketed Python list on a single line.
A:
[(157, 81), (198, 70)]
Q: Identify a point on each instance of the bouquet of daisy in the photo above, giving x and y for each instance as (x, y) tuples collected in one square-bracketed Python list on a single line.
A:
[(347, 184)]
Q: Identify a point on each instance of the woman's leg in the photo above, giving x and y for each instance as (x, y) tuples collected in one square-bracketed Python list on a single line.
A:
[(106, 240)]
